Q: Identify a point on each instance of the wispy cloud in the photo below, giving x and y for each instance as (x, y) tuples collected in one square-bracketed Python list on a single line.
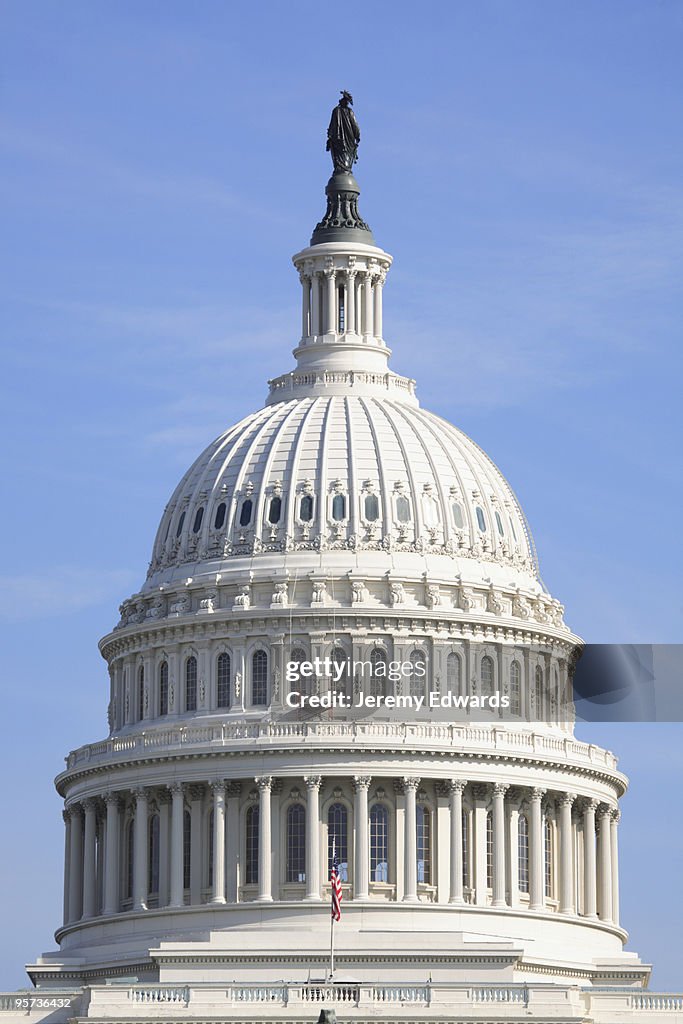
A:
[(60, 590)]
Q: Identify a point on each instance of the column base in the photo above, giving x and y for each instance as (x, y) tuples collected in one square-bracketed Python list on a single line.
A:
[(457, 901), (263, 899), (217, 900), (410, 899), (499, 903), (312, 899)]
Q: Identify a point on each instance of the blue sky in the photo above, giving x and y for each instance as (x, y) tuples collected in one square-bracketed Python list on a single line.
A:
[(160, 164)]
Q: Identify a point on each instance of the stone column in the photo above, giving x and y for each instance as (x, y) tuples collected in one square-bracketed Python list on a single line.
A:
[(410, 859), (367, 305), (232, 846), (330, 302), (141, 850), (605, 857), (163, 798), (305, 305), (316, 326), (351, 302), (218, 790), (456, 787), (361, 868), (265, 895), (498, 821), (536, 849), (111, 857), (76, 864), (89, 858), (312, 836), (589, 873), (566, 844), (196, 794), (177, 813), (379, 282), (615, 865), (66, 817)]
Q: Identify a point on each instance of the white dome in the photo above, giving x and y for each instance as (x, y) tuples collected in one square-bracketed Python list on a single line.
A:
[(408, 482)]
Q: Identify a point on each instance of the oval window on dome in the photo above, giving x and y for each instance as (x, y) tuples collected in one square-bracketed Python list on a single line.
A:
[(274, 510), (480, 519), (181, 523), (219, 518), (339, 508), (402, 509), (457, 515), (371, 506), (245, 512), (512, 527), (306, 508), (198, 516), (168, 529), (499, 524)]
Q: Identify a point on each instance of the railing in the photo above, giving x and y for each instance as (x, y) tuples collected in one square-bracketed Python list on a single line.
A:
[(329, 994), (656, 1001), (500, 994), (437, 735), (325, 378), (160, 994), (400, 994)]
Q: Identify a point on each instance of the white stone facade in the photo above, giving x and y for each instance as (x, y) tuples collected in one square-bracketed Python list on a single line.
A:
[(479, 852)]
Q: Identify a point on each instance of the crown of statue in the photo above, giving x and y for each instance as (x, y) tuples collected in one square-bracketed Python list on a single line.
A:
[(346, 95)]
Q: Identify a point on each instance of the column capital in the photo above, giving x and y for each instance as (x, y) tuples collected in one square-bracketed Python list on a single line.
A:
[(589, 804), (74, 810), (176, 789), (500, 788), (313, 781), (140, 793), (217, 786), (456, 785), (536, 794), (89, 804), (616, 814), (264, 782), (605, 810), (409, 782), (66, 816), (361, 782), (566, 799)]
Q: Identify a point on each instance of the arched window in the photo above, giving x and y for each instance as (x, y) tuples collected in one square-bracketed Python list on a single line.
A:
[(402, 509), (487, 676), (339, 508), (378, 671), (499, 524), (163, 688), (457, 515), (141, 693), (465, 848), (259, 679), (453, 673), (523, 853), (480, 519), (191, 684), (223, 680), (198, 516), (245, 512), (210, 846), (338, 839), (379, 843), (219, 518), (274, 509), (548, 856), (306, 508), (252, 832), (343, 678), (515, 688), (129, 847), (187, 849), (489, 850), (538, 693), (418, 673), (371, 508), (153, 855), (296, 843), (341, 310), (181, 523), (424, 861)]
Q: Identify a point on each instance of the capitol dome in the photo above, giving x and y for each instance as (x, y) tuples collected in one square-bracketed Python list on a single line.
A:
[(342, 525)]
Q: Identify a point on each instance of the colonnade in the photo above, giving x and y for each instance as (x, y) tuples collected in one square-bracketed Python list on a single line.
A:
[(470, 834), (342, 301)]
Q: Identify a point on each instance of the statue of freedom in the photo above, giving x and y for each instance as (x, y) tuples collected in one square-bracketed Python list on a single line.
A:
[(343, 135)]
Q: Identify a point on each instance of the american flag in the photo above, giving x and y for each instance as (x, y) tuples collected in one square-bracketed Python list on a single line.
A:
[(335, 881)]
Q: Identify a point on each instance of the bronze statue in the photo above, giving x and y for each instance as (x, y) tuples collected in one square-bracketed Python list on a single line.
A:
[(343, 135)]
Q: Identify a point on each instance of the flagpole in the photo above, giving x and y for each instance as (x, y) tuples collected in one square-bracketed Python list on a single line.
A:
[(334, 845)]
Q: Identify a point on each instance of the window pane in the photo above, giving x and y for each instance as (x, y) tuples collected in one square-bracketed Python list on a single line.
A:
[(259, 679), (480, 519), (379, 843), (274, 510), (197, 525), (163, 688), (141, 693), (457, 515), (515, 688), (306, 508), (402, 509), (296, 844), (245, 512), (424, 872), (337, 839), (371, 508), (523, 853), (220, 516), (418, 675), (191, 684), (180, 524), (252, 831), (339, 508), (378, 671), (223, 680), (487, 676), (499, 524)]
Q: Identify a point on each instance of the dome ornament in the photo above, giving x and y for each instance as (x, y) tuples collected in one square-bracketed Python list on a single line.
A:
[(342, 221)]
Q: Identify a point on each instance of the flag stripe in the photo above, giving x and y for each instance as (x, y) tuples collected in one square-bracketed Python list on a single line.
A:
[(336, 890)]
